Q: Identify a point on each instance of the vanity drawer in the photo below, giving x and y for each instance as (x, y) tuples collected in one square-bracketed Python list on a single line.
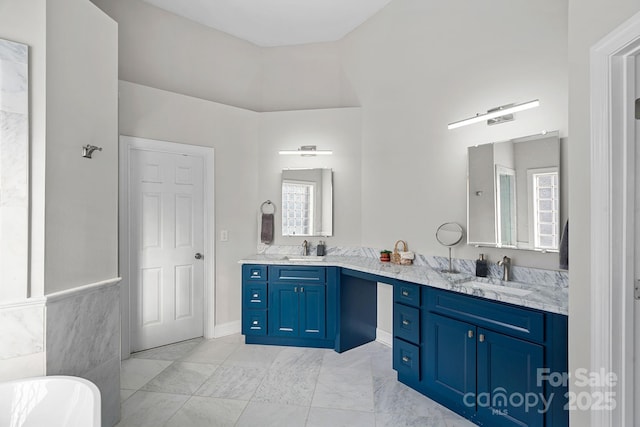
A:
[(406, 359), (406, 323), (257, 273), (294, 273), (500, 317), (407, 293), (254, 295), (254, 322)]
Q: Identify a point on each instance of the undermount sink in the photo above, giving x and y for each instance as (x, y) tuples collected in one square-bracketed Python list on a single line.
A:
[(305, 258), (497, 288)]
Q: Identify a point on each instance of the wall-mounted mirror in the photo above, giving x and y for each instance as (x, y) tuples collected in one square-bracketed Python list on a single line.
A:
[(513, 193), (307, 202)]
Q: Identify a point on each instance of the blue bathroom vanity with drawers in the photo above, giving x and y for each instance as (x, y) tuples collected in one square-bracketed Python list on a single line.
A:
[(482, 357)]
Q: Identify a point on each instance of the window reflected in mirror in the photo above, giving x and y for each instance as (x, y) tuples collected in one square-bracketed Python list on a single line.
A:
[(307, 202), (513, 198)]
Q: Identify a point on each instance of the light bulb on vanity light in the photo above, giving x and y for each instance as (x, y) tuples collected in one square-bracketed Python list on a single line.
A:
[(492, 116)]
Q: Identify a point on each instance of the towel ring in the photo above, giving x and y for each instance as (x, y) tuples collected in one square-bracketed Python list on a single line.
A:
[(268, 202)]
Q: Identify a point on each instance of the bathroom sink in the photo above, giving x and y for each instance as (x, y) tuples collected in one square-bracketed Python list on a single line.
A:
[(305, 258), (497, 288)]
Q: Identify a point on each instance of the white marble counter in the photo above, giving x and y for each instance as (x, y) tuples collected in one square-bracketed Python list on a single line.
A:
[(552, 297)]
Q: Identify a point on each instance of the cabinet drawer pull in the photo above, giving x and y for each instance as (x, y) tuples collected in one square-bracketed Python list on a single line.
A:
[(255, 295), (302, 289), (295, 289), (405, 293), (405, 322), (481, 338), (470, 334), (255, 322), (405, 359)]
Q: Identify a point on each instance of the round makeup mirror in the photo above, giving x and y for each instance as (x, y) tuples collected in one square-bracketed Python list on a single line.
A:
[(449, 234)]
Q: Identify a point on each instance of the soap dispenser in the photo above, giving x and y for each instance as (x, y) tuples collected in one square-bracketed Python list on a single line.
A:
[(482, 267), (320, 249)]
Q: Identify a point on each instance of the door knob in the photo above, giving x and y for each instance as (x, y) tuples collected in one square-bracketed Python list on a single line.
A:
[(198, 255)]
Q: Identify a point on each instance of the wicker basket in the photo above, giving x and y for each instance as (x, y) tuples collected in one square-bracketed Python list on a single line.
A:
[(395, 256)]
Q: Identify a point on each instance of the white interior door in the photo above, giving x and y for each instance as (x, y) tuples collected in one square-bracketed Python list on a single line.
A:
[(166, 248)]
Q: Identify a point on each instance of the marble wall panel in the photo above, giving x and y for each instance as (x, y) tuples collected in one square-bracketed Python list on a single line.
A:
[(14, 162), (83, 339)]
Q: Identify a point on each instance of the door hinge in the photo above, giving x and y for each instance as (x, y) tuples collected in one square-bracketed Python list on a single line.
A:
[(636, 291)]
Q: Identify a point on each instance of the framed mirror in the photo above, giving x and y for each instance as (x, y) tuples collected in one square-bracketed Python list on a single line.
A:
[(307, 202), (513, 193)]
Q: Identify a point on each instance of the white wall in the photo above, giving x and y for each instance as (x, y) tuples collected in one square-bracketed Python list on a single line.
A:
[(81, 200), (417, 66), (164, 51), (232, 132), (589, 21), (337, 129)]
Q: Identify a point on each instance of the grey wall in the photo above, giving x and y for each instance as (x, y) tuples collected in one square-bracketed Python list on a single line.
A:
[(81, 201), (161, 50), (337, 129), (232, 132)]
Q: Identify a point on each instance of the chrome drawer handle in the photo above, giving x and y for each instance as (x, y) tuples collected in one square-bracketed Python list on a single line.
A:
[(405, 322), (481, 338), (405, 359), (470, 334), (405, 293)]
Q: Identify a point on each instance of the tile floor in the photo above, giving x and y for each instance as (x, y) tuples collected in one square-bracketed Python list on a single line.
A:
[(223, 382)]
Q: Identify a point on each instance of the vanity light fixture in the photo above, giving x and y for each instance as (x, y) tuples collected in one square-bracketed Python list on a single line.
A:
[(306, 150), (496, 115)]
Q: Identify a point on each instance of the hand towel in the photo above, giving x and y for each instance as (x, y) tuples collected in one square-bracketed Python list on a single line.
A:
[(266, 234), (564, 248)]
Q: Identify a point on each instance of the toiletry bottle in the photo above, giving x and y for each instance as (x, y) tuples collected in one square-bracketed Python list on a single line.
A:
[(320, 248), (482, 267)]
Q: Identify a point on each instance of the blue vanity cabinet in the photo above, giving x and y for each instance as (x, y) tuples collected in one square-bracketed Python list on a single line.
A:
[(289, 305), (482, 359), (297, 310), (254, 300), (407, 342), (450, 362)]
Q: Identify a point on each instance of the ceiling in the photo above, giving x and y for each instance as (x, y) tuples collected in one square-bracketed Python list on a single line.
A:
[(277, 22)]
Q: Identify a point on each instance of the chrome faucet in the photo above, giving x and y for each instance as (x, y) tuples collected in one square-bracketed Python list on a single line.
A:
[(305, 248), (506, 267)]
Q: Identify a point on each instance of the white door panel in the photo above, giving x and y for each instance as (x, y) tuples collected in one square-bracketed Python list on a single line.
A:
[(167, 226)]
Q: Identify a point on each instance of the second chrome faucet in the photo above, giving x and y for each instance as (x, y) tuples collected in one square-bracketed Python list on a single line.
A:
[(506, 268)]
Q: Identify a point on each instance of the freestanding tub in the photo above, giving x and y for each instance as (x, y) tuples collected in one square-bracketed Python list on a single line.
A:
[(54, 401)]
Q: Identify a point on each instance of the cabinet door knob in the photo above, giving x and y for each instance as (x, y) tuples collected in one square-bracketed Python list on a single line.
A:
[(255, 295), (481, 338), (470, 333), (198, 255), (405, 322), (295, 289), (405, 293), (405, 359), (302, 289), (255, 322)]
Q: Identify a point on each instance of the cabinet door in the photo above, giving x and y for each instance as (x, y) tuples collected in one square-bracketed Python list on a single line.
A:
[(312, 310), (283, 310), (450, 362), (508, 391)]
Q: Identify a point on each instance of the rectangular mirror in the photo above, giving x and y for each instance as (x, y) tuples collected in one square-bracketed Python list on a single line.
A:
[(513, 193), (307, 202)]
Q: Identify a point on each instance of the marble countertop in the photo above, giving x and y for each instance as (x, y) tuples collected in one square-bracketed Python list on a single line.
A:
[(546, 297)]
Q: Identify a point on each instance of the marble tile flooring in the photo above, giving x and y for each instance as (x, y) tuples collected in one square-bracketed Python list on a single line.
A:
[(223, 382)]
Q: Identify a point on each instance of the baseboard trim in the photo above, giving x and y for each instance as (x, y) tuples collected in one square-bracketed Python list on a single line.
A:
[(226, 329), (384, 337)]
